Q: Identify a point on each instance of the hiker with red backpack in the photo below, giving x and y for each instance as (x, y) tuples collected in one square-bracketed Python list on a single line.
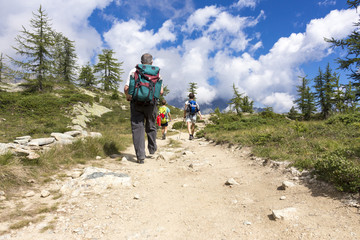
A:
[(191, 110), (165, 117), (143, 89)]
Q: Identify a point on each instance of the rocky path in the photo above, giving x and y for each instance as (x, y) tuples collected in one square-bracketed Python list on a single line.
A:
[(189, 190)]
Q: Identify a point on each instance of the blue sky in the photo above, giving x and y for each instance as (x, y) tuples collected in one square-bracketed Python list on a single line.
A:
[(261, 46)]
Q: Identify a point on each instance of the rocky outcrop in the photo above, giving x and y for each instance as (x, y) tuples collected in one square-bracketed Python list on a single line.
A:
[(26, 146)]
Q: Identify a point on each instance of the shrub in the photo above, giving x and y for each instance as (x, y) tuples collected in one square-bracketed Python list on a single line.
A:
[(179, 125), (344, 173)]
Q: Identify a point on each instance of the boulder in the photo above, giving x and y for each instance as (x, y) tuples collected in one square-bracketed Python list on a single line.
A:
[(41, 141), (73, 133), (61, 136)]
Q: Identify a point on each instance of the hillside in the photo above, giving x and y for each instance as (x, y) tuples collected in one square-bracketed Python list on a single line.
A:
[(211, 188)]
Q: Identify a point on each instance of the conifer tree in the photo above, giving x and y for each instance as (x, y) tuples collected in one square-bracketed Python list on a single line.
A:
[(306, 99), (166, 91), (247, 105), (35, 47), (86, 77), (110, 70), (236, 101), (351, 61), (64, 58), (192, 88), (324, 86), (5, 71)]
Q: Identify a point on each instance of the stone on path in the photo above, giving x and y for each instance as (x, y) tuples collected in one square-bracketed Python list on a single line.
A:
[(282, 198), (286, 213), (61, 136), (30, 194), (287, 184), (231, 182), (44, 193)]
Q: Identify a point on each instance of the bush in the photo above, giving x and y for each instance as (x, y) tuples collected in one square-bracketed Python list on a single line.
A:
[(179, 125), (345, 174), (344, 118)]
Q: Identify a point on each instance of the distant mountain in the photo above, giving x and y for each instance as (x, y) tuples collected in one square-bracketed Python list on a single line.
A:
[(220, 103)]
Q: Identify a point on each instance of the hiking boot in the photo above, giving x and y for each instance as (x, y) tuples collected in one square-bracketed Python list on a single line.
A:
[(164, 136), (191, 137), (140, 161)]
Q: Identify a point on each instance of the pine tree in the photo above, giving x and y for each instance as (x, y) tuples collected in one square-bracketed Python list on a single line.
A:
[(351, 61), (36, 46), (236, 101), (5, 71), (64, 58), (193, 87), (86, 77), (247, 105), (350, 102), (324, 86), (306, 99), (110, 70), (293, 114), (166, 91)]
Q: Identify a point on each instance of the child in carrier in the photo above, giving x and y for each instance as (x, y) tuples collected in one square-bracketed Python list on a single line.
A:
[(165, 116)]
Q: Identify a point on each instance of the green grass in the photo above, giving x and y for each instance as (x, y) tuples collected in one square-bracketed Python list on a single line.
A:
[(305, 144), (39, 115)]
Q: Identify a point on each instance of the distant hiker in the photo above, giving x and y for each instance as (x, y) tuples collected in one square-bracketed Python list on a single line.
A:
[(191, 110), (143, 88), (165, 117)]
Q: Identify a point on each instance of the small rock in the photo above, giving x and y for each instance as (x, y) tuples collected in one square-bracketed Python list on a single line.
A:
[(33, 156), (30, 194), (98, 157), (31, 181), (137, 197), (95, 134), (247, 223), (76, 174), (135, 184), (231, 181), (234, 201), (282, 198), (184, 185), (2, 198), (287, 184), (2, 193), (285, 213), (124, 159), (191, 165), (115, 155), (45, 193)]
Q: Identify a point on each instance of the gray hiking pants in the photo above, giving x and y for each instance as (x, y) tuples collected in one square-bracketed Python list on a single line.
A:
[(143, 119)]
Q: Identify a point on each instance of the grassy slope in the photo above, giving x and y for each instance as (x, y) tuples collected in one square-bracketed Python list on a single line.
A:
[(39, 114), (332, 147)]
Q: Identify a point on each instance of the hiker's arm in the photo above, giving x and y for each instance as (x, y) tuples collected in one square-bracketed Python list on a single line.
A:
[(169, 116), (162, 90), (126, 91), (200, 115)]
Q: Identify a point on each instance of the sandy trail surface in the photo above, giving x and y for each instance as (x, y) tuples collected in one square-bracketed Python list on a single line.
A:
[(181, 193)]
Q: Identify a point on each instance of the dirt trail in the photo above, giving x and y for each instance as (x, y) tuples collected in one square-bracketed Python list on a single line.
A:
[(181, 194)]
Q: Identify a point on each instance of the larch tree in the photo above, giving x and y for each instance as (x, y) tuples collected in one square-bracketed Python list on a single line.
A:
[(306, 100), (34, 46), (110, 70), (351, 62), (87, 77), (64, 56)]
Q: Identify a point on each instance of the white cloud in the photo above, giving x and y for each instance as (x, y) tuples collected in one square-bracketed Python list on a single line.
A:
[(67, 17), (245, 3), (327, 3)]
